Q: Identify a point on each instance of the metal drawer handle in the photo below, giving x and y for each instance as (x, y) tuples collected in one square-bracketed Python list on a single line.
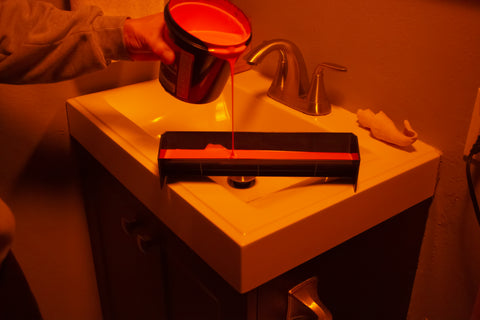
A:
[(129, 226), (303, 299), (147, 243), (144, 243)]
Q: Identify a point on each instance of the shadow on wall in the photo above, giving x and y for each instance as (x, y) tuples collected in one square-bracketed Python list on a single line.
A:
[(473, 3), (119, 74), (50, 165)]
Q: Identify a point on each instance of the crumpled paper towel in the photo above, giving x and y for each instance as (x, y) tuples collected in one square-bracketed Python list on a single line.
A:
[(383, 128)]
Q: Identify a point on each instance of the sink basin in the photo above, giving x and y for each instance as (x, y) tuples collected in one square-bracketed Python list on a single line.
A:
[(248, 236), (253, 111)]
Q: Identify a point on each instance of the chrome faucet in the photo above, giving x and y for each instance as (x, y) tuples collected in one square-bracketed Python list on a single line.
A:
[(290, 85)]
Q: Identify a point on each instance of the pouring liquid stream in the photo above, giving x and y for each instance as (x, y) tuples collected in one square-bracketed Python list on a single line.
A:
[(224, 50), (232, 67)]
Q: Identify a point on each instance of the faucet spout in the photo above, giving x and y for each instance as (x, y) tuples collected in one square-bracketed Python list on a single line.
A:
[(290, 85), (291, 78)]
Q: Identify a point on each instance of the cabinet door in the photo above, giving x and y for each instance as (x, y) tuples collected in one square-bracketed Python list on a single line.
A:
[(130, 282), (367, 277), (144, 271), (196, 291)]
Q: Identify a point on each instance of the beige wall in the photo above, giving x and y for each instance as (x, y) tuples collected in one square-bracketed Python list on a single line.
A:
[(416, 60)]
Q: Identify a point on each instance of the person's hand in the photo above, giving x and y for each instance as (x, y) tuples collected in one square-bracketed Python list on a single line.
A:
[(144, 41)]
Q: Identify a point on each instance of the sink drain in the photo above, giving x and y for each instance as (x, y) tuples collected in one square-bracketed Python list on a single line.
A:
[(241, 182)]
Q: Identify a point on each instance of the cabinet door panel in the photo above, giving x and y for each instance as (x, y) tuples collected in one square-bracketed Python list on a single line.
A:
[(367, 277), (188, 298), (130, 282), (196, 291)]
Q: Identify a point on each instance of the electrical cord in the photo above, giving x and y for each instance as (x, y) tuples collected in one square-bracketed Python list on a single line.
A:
[(473, 151)]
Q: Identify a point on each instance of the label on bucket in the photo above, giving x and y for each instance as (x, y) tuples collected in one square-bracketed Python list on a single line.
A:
[(185, 62)]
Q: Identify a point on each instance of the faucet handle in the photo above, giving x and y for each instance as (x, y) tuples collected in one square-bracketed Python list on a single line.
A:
[(317, 100), (332, 66)]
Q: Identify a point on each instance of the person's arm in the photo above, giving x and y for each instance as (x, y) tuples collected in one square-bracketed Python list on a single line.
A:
[(40, 43)]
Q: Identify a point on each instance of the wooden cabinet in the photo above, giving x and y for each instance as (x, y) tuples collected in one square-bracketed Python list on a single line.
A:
[(145, 272), (130, 281)]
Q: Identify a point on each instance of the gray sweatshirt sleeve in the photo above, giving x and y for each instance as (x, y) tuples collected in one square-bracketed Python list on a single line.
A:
[(40, 43)]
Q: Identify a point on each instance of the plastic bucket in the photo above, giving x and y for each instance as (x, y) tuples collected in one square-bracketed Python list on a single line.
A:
[(200, 32)]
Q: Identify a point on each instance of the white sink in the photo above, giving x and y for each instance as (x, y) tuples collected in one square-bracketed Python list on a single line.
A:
[(159, 112), (248, 236)]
